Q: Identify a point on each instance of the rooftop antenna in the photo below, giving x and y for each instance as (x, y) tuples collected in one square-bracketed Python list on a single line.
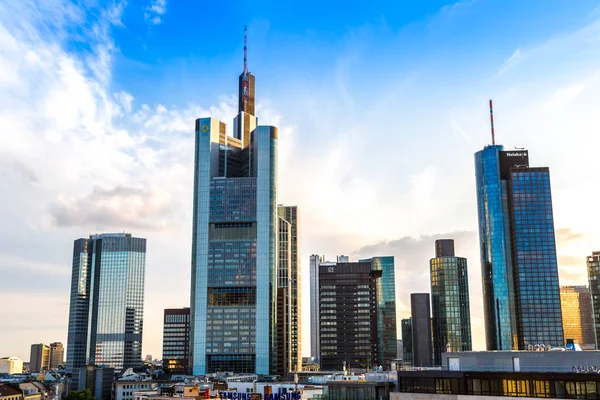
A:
[(245, 79), (245, 50), (491, 119)]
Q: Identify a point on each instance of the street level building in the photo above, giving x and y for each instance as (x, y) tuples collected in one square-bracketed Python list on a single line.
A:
[(521, 292), (176, 340), (449, 301), (348, 316), (39, 358), (234, 243), (107, 302), (578, 320), (523, 374)]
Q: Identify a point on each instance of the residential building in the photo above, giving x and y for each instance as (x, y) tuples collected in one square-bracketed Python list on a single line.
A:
[(578, 320), (125, 390), (421, 329), (11, 365), (593, 268), (449, 301), (32, 391), (39, 359), (10, 392), (234, 243), (107, 302), (407, 344), (176, 340), (57, 355), (521, 292), (386, 309), (315, 260), (290, 215), (348, 315)]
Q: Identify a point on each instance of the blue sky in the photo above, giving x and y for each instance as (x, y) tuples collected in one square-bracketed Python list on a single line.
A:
[(380, 106)]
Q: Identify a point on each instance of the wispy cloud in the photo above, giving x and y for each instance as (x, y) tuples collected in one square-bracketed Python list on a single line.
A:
[(511, 61), (154, 12)]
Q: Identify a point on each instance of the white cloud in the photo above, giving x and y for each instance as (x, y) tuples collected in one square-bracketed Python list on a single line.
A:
[(154, 11), (511, 61)]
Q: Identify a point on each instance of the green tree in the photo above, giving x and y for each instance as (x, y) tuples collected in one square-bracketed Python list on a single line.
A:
[(84, 394)]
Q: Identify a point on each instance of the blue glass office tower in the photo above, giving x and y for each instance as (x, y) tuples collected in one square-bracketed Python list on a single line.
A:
[(518, 251), (233, 290), (107, 302), (386, 309)]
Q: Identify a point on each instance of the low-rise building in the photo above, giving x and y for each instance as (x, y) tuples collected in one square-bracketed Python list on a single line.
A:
[(125, 390), (525, 374), (10, 392), (11, 365)]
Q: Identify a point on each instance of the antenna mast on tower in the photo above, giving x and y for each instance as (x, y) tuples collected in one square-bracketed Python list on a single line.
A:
[(492, 122), (245, 78), (245, 50)]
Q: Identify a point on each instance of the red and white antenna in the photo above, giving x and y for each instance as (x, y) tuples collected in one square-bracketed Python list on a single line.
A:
[(492, 122)]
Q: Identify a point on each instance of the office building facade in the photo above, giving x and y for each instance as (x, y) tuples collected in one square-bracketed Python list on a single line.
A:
[(176, 340), (386, 309), (407, 344), (593, 268), (283, 356), (57, 355), (421, 329), (449, 301), (578, 320), (315, 260), (39, 359), (234, 243), (289, 215), (107, 302), (348, 316), (518, 251)]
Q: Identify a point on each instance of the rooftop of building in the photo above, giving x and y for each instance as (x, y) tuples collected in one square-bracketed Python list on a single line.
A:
[(7, 389)]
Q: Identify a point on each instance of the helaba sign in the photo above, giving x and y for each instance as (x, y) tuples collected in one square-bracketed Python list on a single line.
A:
[(249, 396), (515, 154)]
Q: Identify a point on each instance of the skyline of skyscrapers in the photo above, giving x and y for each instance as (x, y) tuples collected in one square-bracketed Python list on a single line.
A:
[(234, 243), (521, 292), (450, 309), (107, 302)]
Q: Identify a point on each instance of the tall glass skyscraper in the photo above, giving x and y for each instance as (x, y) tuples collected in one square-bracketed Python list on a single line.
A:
[(234, 243), (386, 309), (315, 260), (289, 215), (107, 302), (518, 251), (449, 301)]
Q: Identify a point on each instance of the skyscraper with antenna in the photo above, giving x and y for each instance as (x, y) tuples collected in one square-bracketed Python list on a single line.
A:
[(521, 293), (234, 242)]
